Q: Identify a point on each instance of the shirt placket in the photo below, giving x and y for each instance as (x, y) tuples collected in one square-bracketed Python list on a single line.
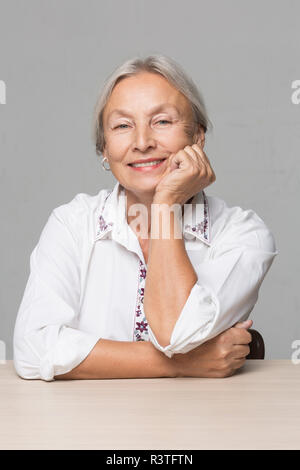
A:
[(141, 325)]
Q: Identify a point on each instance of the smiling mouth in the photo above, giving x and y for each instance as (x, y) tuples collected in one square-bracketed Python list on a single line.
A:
[(153, 164)]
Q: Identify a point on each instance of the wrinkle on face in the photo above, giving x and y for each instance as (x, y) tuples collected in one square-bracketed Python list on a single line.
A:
[(142, 134), (137, 95)]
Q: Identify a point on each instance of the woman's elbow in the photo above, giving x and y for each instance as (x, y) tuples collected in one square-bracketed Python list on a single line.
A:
[(25, 362), (25, 370)]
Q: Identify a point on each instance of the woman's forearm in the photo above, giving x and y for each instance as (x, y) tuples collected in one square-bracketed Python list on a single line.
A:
[(170, 274), (123, 359)]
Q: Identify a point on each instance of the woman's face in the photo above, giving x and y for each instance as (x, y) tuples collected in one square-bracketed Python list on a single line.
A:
[(145, 117)]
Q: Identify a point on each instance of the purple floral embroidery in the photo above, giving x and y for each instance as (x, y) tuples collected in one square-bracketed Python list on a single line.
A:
[(196, 227), (141, 324), (202, 226), (205, 216), (138, 310), (143, 274), (102, 225)]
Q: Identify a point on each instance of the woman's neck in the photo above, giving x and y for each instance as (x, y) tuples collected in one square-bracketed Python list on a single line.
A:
[(146, 200)]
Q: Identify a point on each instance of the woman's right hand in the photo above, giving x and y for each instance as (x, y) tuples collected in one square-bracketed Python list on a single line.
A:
[(218, 357)]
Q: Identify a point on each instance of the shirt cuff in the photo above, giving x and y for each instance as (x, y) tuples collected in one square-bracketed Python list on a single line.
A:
[(71, 348), (195, 322)]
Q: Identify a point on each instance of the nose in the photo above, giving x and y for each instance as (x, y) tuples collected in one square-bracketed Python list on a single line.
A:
[(143, 138)]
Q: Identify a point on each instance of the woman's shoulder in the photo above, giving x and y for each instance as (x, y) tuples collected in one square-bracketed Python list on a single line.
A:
[(80, 207), (232, 222), (83, 201), (223, 212)]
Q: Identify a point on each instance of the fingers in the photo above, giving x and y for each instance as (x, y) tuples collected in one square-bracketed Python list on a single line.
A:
[(238, 363), (198, 149), (205, 160), (197, 154), (240, 351), (201, 164), (192, 153), (241, 336), (173, 163), (245, 324), (198, 161)]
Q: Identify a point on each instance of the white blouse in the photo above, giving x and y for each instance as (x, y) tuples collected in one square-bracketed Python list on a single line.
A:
[(87, 278)]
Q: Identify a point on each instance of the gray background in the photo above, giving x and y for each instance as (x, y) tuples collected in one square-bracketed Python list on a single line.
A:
[(243, 55)]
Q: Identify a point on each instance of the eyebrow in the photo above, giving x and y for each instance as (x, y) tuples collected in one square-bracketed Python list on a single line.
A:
[(123, 112)]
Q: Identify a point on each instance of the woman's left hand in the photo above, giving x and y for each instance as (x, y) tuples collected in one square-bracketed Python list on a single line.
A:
[(187, 173)]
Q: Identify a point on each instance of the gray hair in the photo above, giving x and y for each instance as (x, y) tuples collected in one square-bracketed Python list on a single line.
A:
[(164, 66)]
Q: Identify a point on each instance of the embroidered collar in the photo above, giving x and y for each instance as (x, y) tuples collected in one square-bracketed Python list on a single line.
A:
[(111, 215)]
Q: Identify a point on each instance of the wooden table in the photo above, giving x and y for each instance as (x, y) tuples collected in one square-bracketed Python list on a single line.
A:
[(258, 408)]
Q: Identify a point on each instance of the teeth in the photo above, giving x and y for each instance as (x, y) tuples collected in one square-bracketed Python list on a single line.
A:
[(146, 164)]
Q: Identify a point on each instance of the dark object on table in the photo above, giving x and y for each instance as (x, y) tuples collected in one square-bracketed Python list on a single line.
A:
[(257, 345)]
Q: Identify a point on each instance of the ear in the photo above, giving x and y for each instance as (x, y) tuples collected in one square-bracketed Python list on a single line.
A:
[(199, 137), (104, 152)]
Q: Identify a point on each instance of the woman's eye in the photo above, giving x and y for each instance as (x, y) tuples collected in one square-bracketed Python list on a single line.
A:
[(164, 120), (121, 126)]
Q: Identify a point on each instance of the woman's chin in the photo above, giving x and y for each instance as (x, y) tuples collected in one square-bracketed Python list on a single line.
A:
[(145, 185)]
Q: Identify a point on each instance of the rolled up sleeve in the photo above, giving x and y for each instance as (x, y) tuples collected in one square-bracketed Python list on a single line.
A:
[(227, 287), (46, 339)]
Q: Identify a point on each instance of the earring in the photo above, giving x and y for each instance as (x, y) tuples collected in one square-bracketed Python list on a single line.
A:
[(103, 164)]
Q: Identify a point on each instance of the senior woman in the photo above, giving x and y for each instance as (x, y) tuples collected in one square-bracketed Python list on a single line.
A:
[(152, 278)]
